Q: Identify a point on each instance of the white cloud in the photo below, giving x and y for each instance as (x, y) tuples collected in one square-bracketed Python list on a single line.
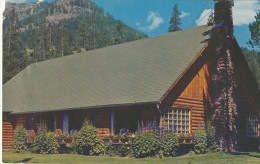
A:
[(137, 23), (183, 14), (244, 11), (156, 20), (203, 19), (40, 1)]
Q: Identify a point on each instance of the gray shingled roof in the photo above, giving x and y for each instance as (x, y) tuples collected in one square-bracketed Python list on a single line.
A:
[(135, 72)]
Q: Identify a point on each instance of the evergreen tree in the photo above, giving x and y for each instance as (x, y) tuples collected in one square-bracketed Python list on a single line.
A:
[(120, 30), (82, 33), (45, 43), (62, 40), (34, 44), (90, 28), (253, 58), (175, 20), (211, 19), (14, 52), (255, 32), (93, 29)]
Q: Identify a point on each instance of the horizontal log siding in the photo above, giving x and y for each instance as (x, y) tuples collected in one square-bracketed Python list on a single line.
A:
[(195, 97), (20, 120), (197, 111), (7, 136)]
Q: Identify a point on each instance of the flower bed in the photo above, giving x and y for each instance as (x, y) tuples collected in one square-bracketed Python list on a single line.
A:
[(185, 138), (119, 139), (69, 138)]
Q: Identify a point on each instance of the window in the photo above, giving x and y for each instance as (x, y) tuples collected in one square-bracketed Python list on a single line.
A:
[(177, 120), (252, 126)]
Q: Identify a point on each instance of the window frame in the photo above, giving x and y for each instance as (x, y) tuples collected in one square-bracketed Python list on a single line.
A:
[(170, 111), (252, 131)]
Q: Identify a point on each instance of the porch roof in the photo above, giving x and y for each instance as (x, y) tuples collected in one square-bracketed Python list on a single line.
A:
[(135, 72)]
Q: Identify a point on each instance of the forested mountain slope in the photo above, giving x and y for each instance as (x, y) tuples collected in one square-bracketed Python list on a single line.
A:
[(40, 31)]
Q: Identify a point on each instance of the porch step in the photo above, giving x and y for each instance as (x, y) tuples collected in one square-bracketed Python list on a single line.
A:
[(103, 131)]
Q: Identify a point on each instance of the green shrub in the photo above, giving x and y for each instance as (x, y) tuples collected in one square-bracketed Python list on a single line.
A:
[(146, 145), (19, 140), (88, 142), (52, 146), (169, 144), (200, 142), (40, 141), (115, 150), (211, 141), (111, 150), (123, 151)]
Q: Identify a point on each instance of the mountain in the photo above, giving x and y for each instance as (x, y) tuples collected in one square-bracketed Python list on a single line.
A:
[(49, 30)]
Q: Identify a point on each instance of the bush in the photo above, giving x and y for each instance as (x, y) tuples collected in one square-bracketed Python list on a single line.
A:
[(169, 144), (146, 145), (40, 141), (88, 142), (19, 140), (200, 142), (115, 150), (211, 141), (123, 151), (111, 150), (52, 146)]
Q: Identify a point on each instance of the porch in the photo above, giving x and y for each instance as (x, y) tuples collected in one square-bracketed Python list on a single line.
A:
[(108, 121)]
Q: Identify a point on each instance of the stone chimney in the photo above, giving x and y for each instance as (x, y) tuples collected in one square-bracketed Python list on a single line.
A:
[(224, 101)]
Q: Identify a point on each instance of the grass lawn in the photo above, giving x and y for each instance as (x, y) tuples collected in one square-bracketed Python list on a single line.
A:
[(222, 158)]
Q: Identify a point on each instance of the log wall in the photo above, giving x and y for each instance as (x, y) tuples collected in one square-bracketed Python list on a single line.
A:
[(7, 133), (192, 92), (20, 120)]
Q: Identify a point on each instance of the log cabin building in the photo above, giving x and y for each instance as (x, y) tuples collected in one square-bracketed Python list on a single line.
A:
[(166, 79)]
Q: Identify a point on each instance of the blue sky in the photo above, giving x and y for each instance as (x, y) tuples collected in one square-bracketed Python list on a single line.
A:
[(152, 16)]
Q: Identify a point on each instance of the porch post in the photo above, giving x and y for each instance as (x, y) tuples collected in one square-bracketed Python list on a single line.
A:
[(112, 122), (65, 123), (55, 126), (160, 125)]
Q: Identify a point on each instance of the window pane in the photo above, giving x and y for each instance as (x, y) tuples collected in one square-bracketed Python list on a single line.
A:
[(177, 120), (252, 126)]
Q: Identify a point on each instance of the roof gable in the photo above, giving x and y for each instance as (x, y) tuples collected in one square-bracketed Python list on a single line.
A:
[(134, 72)]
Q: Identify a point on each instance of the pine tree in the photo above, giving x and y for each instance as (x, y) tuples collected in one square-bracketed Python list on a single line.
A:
[(120, 30), (211, 19), (93, 29), (45, 41), (14, 52), (34, 44), (82, 33), (175, 20), (255, 32), (63, 40)]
